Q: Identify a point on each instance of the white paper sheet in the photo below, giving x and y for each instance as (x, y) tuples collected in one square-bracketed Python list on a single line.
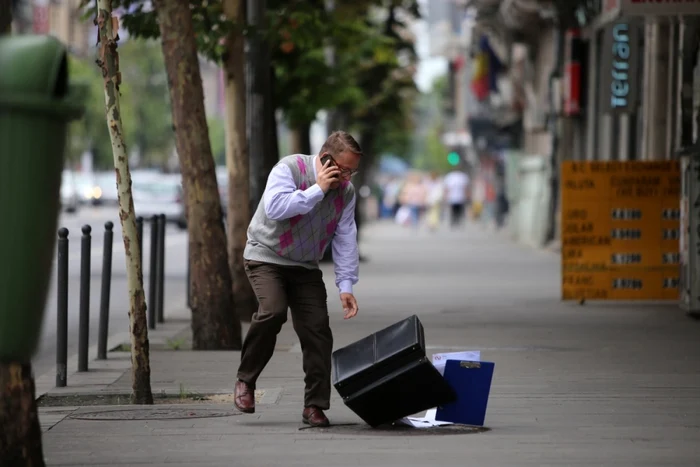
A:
[(440, 359), (424, 422)]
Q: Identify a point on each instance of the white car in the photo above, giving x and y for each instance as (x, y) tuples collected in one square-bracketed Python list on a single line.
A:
[(155, 195), (88, 190), (107, 185)]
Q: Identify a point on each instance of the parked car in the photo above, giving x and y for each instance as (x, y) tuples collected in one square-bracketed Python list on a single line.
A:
[(70, 199), (89, 191), (154, 195), (107, 184)]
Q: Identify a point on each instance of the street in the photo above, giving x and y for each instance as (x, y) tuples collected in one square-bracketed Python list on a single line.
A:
[(175, 277)]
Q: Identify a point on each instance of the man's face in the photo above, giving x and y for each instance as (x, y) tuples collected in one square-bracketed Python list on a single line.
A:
[(348, 163)]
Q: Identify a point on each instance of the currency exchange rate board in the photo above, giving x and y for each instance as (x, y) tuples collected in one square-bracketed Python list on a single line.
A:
[(620, 230)]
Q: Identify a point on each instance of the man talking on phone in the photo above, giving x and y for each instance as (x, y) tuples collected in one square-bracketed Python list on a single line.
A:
[(308, 204)]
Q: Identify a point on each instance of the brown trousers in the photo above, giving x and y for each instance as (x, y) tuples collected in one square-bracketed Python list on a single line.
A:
[(303, 291)]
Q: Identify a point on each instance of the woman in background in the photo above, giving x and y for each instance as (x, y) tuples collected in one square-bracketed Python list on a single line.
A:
[(413, 197)]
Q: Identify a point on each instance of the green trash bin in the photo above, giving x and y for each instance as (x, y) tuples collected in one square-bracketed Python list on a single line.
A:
[(35, 108)]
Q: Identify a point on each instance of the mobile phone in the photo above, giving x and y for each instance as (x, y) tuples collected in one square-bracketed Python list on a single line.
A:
[(325, 159)]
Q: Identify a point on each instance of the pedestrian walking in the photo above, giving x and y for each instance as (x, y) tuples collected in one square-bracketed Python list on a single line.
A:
[(412, 196), (457, 194), (308, 204)]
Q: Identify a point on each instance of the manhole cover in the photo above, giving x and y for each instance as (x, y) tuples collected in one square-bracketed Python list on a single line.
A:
[(397, 430), (174, 413)]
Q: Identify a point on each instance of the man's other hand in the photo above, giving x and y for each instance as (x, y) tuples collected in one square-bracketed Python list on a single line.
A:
[(349, 305)]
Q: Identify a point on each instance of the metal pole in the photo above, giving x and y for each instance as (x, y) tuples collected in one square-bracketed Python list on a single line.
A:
[(62, 315), (161, 268), (84, 325), (139, 231), (152, 271), (106, 288)]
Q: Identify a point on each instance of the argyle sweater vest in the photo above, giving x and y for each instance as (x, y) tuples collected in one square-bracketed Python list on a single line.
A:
[(300, 240)]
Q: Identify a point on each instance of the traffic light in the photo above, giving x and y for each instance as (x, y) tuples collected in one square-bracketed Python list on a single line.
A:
[(453, 158)]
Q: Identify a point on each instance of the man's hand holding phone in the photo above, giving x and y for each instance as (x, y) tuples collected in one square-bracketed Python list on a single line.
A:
[(328, 175)]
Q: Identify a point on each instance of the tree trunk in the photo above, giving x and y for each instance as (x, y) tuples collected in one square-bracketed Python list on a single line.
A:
[(263, 151), (337, 120), (301, 139), (272, 152), (237, 162), (20, 432), (5, 16), (108, 61), (214, 324)]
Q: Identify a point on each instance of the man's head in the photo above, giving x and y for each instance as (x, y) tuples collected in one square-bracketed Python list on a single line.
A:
[(344, 152)]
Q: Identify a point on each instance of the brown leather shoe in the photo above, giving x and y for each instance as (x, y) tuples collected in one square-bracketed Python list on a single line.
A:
[(315, 417), (244, 397)]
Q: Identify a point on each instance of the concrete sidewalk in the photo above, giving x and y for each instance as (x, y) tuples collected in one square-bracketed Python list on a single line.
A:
[(600, 384)]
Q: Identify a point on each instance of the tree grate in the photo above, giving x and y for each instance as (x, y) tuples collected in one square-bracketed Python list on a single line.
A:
[(397, 429), (174, 413)]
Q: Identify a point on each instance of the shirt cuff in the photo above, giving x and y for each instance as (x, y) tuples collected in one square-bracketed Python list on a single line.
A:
[(345, 286), (314, 192)]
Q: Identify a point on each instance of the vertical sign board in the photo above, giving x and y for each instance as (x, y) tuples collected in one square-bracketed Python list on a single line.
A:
[(690, 235), (620, 230), (619, 64), (683, 245)]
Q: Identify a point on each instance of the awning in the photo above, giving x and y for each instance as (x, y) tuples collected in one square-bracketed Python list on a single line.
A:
[(523, 16)]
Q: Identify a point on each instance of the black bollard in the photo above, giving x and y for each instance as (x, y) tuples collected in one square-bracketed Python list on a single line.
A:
[(84, 324), (152, 271), (62, 317), (161, 268), (139, 232), (106, 289)]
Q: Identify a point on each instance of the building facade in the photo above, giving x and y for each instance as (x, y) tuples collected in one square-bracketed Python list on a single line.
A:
[(595, 80)]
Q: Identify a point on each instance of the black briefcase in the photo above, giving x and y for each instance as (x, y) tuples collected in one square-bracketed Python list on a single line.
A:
[(387, 376)]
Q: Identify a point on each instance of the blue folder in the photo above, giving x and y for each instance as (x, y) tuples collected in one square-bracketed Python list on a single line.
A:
[(472, 383)]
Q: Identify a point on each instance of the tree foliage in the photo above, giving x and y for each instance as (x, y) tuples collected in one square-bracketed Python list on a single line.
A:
[(145, 90), (369, 77), (307, 80), (429, 151), (385, 75), (138, 17), (145, 106), (217, 139), (90, 132)]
